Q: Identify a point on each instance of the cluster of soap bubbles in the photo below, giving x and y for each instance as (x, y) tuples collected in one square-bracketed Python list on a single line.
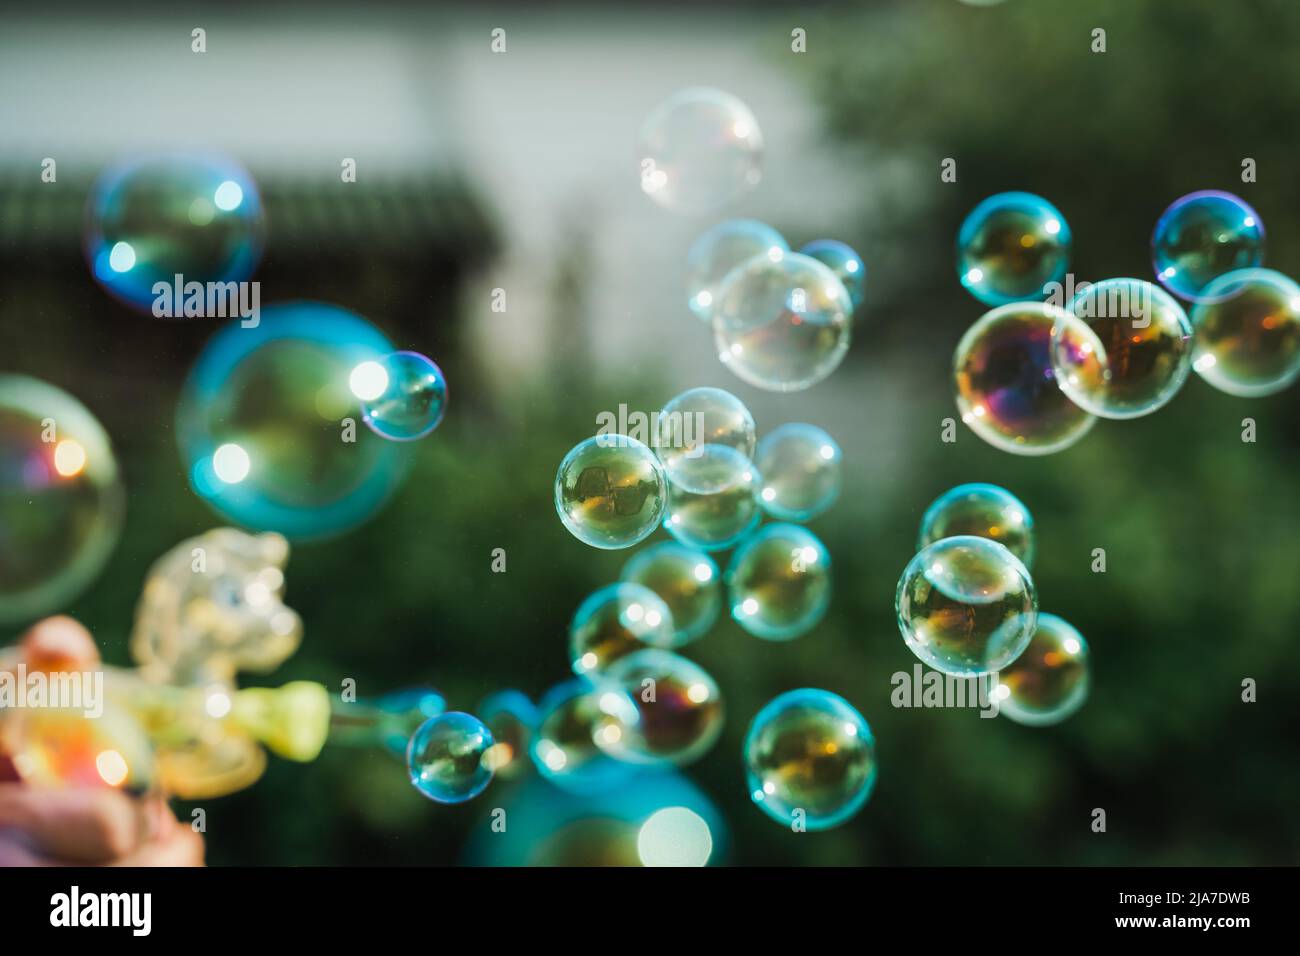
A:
[(1032, 376), (782, 320), (967, 606)]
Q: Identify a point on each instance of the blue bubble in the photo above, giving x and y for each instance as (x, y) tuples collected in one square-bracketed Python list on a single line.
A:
[(616, 621), (570, 716), (151, 219), (1012, 248), (403, 396), (844, 262), (800, 465), (1202, 236), (264, 419), (447, 758)]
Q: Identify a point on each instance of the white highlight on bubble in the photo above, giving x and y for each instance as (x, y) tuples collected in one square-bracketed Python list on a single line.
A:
[(228, 196), (121, 258), (368, 381), (674, 836), (231, 464)]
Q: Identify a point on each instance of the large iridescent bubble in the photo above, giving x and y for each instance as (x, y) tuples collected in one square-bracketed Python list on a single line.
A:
[(984, 510), (271, 431), (1006, 385), (700, 150), (1248, 335), (679, 709), (782, 324), (1049, 681), (694, 419), (779, 582), (1125, 351), (152, 219), (686, 579), (719, 250), (61, 498), (1012, 248), (810, 760), (800, 465), (616, 621), (610, 491), (1202, 236), (966, 605), (715, 520)]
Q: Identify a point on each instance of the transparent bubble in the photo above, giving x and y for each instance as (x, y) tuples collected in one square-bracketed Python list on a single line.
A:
[(1049, 681), (1125, 349), (985, 511), (1006, 386), (679, 709), (966, 605), (153, 218), (696, 418), (779, 582), (800, 465), (262, 419), (610, 491), (448, 757), (844, 262), (700, 150), (1202, 236), (1011, 247), (571, 715), (686, 579), (810, 759), (717, 520), (512, 718), (784, 324), (403, 395), (1248, 337), (615, 621), (719, 250), (61, 498)]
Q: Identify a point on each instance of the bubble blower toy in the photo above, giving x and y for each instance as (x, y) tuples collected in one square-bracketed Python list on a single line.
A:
[(177, 722)]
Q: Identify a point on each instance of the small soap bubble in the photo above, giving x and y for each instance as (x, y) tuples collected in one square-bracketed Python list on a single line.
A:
[(403, 395), (1201, 237), (1248, 334), (810, 759), (610, 491), (1049, 681), (447, 758), (615, 621), (678, 704), (1011, 248), (512, 720), (694, 419), (570, 718), (966, 605), (800, 465), (779, 582), (985, 511), (718, 519), (686, 579), (719, 250), (844, 262), (701, 149)]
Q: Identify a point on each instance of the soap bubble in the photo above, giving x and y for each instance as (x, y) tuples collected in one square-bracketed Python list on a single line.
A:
[(610, 491), (700, 150), (719, 250), (403, 395), (718, 519), (263, 417), (810, 759), (1012, 247), (966, 605), (1202, 236), (512, 719), (1049, 681), (678, 704), (784, 324), (156, 217), (800, 465), (696, 418), (571, 716), (448, 757), (686, 579), (615, 621), (1006, 387), (985, 511), (1248, 335), (844, 262), (61, 498), (779, 582), (1125, 351)]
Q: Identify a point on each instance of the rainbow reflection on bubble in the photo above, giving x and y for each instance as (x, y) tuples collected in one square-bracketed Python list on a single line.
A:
[(1202, 236), (61, 498), (151, 219), (679, 709), (403, 395), (1049, 681), (1248, 337), (1012, 248), (271, 432), (1006, 386)]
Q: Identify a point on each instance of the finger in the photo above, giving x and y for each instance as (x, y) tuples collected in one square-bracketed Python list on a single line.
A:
[(59, 643), (78, 825)]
